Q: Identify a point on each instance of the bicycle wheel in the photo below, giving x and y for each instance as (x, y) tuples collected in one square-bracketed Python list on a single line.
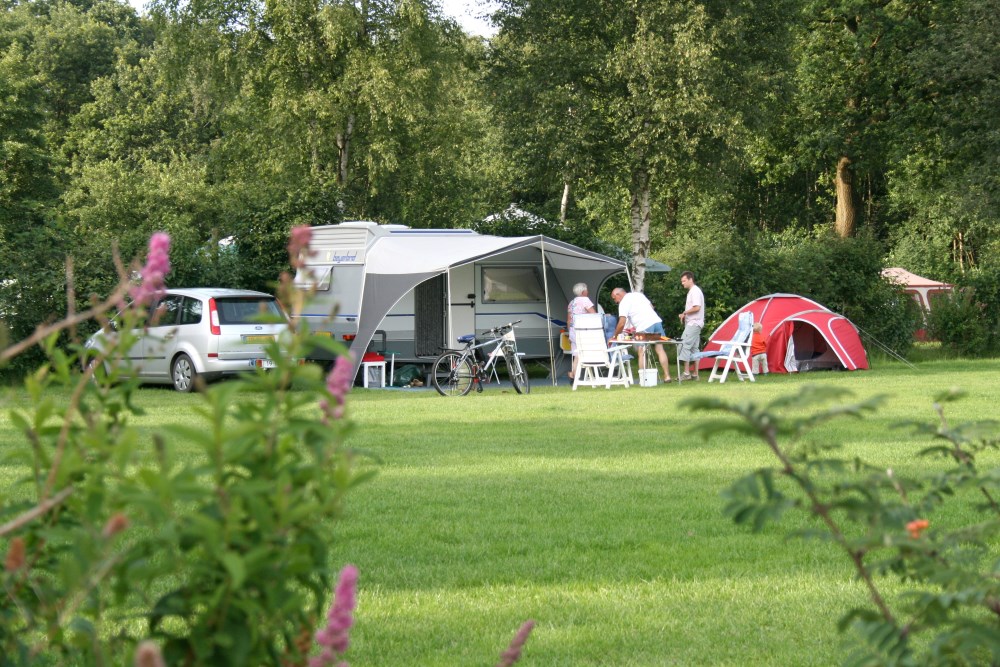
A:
[(518, 375), (452, 374)]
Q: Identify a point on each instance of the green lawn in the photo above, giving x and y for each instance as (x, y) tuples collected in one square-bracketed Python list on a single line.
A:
[(597, 514)]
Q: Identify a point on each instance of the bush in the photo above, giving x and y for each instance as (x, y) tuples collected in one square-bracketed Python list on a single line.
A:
[(222, 559), (967, 321), (842, 274), (845, 275), (885, 523), (961, 323)]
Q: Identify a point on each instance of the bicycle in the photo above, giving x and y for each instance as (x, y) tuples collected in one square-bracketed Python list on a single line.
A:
[(456, 371)]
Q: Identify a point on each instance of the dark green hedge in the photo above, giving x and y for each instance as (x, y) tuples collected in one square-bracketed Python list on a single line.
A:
[(967, 321), (842, 274)]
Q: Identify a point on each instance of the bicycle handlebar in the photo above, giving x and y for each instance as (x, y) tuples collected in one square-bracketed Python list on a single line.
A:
[(501, 328)]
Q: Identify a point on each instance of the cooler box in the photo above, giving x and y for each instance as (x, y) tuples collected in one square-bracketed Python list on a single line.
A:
[(647, 377)]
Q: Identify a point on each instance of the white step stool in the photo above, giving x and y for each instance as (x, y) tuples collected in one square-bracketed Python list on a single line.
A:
[(373, 373)]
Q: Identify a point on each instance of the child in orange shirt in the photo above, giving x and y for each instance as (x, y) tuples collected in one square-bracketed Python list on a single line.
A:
[(758, 349)]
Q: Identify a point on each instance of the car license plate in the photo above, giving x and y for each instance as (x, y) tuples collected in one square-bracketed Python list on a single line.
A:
[(262, 363), (258, 339)]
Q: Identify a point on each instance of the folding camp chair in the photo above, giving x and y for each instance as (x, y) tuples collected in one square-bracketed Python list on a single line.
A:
[(735, 353), (598, 365)]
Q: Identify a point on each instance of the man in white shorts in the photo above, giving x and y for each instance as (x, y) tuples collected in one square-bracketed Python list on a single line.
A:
[(693, 319), (635, 307)]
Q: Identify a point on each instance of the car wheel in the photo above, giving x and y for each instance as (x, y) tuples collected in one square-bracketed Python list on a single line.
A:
[(183, 373)]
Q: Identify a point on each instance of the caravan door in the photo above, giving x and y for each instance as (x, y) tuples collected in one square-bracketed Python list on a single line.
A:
[(438, 321), (462, 306)]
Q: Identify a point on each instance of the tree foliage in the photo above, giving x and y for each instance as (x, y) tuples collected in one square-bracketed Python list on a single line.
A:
[(885, 523), (650, 125)]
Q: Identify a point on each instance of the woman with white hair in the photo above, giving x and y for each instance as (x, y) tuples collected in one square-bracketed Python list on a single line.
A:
[(579, 305)]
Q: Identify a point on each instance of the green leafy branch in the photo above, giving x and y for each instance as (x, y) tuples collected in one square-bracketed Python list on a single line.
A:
[(881, 521)]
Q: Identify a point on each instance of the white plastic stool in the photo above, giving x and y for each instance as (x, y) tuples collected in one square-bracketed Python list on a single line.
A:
[(380, 365)]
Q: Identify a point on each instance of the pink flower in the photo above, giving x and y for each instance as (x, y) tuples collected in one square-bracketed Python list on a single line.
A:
[(513, 652), (148, 654), (15, 555), (115, 525), (338, 383), (157, 267), (334, 638), (298, 243)]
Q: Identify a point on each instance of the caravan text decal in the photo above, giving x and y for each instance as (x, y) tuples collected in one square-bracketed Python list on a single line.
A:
[(342, 256)]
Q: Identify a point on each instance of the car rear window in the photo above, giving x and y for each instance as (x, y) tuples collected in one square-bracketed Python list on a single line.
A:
[(246, 310)]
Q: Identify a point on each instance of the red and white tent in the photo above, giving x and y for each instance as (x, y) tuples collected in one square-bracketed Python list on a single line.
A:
[(802, 335), (922, 289)]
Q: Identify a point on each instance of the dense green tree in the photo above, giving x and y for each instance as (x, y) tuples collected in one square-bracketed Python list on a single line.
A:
[(636, 99), (707, 134), (71, 45), (31, 245), (852, 88), (371, 102), (946, 181), (25, 177)]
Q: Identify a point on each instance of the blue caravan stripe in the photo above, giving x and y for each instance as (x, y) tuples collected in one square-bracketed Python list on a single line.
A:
[(557, 322), (345, 315), (553, 320)]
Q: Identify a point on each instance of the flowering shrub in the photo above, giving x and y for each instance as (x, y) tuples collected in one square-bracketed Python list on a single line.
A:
[(880, 520), (334, 638), (154, 273), (114, 545)]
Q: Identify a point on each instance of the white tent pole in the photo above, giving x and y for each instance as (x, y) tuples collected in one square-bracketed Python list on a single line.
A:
[(548, 324)]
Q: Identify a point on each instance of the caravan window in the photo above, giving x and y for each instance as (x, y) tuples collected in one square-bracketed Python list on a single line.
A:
[(510, 284), (316, 277)]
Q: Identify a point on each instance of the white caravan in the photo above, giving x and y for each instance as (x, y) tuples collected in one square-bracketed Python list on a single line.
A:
[(416, 290)]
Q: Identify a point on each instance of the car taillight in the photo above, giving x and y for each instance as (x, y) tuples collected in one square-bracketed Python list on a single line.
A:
[(213, 318)]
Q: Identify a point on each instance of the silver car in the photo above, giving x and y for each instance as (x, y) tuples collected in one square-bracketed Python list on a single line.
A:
[(203, 332)]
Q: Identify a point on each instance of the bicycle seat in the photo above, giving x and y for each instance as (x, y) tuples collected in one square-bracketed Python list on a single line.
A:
[(467, 338)]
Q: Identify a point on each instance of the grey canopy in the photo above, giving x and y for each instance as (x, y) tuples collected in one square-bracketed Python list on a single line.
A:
[(404, 258)]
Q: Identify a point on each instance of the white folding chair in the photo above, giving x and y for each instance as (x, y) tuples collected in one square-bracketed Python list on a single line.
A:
[(735, 353), (598, 365)]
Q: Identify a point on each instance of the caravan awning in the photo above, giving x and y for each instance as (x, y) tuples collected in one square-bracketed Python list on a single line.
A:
[(417, 251), (404, 258)]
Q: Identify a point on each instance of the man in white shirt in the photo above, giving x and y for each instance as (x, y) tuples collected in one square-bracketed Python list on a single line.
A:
[(635, 308), (693, 319)]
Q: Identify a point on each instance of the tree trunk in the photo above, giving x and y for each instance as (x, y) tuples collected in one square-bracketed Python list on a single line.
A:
[(314, 166), (640, 216), (564, 204), (343, 147), (845, 198), (962, 253), (671, 216)]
